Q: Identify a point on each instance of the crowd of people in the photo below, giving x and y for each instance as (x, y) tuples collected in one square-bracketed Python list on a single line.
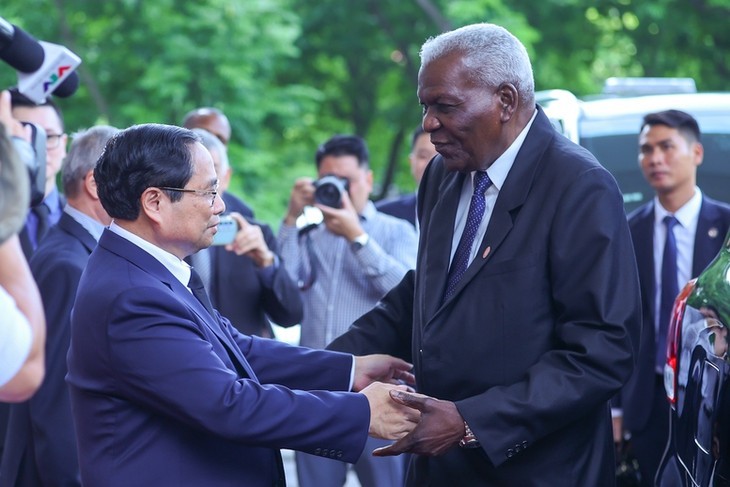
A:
[(485, 330)]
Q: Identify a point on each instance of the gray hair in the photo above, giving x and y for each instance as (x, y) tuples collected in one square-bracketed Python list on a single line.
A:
[(213, 143), (86, 148), (493, 53)]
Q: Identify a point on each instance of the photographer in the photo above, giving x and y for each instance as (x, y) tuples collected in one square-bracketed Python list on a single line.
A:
[(344, 267), (22, 329)]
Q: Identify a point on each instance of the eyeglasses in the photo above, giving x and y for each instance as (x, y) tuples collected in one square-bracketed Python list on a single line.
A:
[(200, 192), (53, 140)]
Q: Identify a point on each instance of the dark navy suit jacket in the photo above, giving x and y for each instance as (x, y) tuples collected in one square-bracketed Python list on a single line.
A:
[(40, 446), (403, 207), (713, 224), (541, 330), (164, 394)]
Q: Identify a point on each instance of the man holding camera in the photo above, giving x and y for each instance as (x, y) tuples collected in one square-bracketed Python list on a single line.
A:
[(343, 267)]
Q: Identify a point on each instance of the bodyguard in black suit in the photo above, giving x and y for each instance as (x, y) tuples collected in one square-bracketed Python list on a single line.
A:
[(246, 281), (40, 446), (669, 154), (523, 343)]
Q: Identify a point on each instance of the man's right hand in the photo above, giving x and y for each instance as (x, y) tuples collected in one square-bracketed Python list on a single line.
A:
[(12, 126), (302, 194), (389, 420)]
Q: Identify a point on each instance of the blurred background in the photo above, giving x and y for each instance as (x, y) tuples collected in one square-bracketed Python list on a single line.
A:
[(290, 73)]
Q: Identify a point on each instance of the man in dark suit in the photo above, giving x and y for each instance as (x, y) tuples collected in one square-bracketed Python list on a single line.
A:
[(422, 151), (669, 153), (531, 327), (215, 121), (44, 215), (246, 280), (164, 391), (40, 446)]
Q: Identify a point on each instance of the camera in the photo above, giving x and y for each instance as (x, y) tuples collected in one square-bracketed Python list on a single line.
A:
[(328, 190)]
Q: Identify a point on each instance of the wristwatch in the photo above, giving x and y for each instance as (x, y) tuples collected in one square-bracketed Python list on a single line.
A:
[(469, 440), (359, 242)]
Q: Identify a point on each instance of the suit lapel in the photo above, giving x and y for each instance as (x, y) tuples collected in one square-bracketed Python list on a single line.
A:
[(75, 229), (511, 196), (439, 240), (708, 238), (157, 270)]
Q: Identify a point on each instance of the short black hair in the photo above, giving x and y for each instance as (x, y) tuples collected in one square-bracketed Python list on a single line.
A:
[(17, 99), (344, 145), (140, 157), (676, 119)]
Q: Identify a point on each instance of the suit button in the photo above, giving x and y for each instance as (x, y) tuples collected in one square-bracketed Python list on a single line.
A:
[(325, 452), (510, 453), (339, 453), (317, 451), (524, 445)]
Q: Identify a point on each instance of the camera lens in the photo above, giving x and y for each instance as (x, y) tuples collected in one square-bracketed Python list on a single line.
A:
[(328, 191)]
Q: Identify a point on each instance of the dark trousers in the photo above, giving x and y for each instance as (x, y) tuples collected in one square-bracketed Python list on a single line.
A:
[(648, 445)]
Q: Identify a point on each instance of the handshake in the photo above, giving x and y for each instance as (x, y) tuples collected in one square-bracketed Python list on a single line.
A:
[(421, 424)]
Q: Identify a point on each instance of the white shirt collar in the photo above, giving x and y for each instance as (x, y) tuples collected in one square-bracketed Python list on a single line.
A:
[(179, 268), (687, 215), (499, 170)]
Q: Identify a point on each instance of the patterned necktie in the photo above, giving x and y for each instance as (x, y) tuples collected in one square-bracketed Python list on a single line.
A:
[(669, 290), (473, 220)]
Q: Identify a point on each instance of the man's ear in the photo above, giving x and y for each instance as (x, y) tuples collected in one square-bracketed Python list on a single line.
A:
[(698, 152), (90, 185), (509, 99), (152, 203)]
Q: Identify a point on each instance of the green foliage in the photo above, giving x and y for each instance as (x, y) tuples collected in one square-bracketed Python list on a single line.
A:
[(290, 73)]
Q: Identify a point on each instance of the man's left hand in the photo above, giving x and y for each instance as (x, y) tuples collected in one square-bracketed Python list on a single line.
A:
[(441, 427), (381, 368)]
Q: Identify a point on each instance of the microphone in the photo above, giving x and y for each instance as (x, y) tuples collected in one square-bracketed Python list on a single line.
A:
[(19, 49), (56, 75)]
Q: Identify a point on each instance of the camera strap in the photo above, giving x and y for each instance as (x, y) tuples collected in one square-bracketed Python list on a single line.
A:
[(306, 279)]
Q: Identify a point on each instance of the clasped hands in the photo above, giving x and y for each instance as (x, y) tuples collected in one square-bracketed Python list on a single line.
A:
[(421, 424)]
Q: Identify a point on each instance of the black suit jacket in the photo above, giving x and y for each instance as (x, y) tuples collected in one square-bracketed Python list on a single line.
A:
[(540, 332), (712, 226), (40, 447), (403, 207), (239, 291)]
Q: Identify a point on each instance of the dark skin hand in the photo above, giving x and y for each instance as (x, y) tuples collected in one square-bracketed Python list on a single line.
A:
[(440, 428)]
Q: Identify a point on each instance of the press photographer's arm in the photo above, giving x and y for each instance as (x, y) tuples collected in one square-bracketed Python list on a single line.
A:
[(19, 377)]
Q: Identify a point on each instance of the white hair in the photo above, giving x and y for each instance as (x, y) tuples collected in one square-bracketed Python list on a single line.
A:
[(492, 52)]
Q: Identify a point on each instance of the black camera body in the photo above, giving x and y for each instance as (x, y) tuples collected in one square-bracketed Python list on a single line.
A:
[(328, 190)]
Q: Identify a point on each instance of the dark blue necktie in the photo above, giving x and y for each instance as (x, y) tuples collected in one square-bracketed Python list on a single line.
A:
[(473, 219), (669, 290), (43, 214), (198, 289)]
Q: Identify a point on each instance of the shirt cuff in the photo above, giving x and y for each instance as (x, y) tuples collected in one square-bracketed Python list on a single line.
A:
[(352, 374)]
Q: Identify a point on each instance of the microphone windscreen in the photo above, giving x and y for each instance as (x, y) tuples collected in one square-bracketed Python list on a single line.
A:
[(23, 53), (68, 87)]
